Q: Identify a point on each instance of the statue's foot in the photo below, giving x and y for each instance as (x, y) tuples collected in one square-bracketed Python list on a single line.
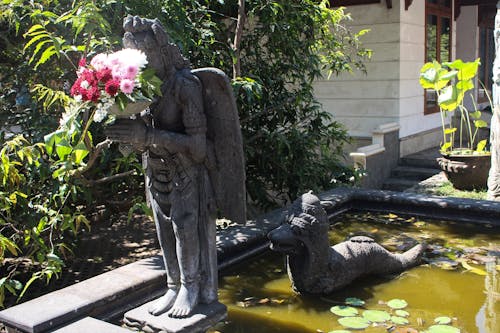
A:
[(185, 302), (164, 303)]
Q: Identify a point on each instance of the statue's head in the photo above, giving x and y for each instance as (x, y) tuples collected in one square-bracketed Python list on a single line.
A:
[(150, 37), (305, 224)]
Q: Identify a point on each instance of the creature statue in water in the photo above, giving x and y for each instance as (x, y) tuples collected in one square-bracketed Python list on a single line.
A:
[(315, 267), (193, 157)]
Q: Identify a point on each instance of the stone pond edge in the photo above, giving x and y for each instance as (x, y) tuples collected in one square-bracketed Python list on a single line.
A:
[(106, 295)]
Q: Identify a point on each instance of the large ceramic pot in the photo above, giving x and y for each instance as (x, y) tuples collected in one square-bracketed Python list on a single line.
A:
[(466, 172)]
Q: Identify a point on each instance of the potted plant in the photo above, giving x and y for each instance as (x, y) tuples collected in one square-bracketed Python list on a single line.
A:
[(465, 162)]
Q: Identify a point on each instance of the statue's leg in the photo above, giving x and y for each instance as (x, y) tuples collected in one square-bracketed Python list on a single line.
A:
[(185, 216), (166, 238)]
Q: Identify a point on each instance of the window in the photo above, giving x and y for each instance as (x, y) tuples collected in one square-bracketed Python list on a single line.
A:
[(486, 15), (437, 41)]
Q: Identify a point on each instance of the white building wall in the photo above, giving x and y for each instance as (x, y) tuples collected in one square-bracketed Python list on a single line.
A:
[(390, 91), (363, 102)]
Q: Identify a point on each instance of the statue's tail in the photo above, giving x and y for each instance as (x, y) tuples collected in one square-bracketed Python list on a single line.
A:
[(413, 256)]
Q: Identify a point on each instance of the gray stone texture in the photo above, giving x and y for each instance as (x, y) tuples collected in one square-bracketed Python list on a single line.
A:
[(316, 267), (203, 317), (91, 325), (192, 149), (144, 279)]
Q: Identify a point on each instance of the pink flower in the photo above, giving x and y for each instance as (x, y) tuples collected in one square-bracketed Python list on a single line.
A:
[(131, 71), (82, 62), (117, 73), (76, 88), (127, 86)]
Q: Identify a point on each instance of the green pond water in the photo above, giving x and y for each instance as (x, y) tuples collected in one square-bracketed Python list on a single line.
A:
[(460, 282)]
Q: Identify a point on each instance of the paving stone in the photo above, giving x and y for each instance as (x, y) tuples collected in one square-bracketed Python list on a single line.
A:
[(205, 316), (89, 324)]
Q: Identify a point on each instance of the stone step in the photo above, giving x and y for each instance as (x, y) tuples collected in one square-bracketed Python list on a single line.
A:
[(414, 173), (399, 184), (430, 163)]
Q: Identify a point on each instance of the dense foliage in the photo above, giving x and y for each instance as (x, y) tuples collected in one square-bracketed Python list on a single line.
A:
[(50, 182)]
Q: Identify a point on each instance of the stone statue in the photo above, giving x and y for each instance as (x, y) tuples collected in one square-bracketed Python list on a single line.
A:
[(494, 175), (315, 267), (193, 158)]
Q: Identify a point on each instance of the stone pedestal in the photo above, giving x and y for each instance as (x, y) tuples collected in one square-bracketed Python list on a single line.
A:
[(204, 317)]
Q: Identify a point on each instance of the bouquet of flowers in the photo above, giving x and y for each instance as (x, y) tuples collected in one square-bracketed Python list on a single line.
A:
[(116, 83)]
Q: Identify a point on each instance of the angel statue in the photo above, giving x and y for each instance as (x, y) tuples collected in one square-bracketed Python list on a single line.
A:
[(191, 143)]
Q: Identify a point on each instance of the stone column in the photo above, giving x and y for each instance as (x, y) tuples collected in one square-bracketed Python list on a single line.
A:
[(494, 176)]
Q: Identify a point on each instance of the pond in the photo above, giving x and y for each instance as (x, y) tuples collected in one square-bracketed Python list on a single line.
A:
[(459, 282)]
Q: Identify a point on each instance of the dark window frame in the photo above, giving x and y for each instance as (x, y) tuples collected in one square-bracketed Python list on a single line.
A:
[(441, 11)]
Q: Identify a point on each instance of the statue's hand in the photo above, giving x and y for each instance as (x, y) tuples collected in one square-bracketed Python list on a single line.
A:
[(128, 131)]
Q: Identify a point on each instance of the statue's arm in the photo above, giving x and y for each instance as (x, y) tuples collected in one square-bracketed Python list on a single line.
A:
[(193, 141)]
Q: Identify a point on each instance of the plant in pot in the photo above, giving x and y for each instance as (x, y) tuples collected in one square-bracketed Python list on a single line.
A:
[(465, 162)]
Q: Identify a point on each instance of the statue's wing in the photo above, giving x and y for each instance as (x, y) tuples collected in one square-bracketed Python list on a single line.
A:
[(223, 130)]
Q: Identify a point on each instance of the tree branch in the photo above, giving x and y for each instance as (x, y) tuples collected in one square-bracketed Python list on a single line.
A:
[(237, 39)]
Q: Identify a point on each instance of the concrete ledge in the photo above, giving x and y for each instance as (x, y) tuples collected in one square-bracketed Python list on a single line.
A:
[(129, 286), (379, 158)]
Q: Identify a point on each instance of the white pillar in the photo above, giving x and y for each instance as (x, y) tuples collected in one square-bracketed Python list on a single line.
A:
[(494, 175)]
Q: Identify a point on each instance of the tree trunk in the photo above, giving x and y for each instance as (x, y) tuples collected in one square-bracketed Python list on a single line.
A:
[(494, 175)]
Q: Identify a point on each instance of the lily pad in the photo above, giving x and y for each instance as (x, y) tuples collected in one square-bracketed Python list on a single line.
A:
[(397, 303), (376, 316), (399, 320), (442, 320), (357, 323), (353, 301), (402, 313), (344, 311), (443, 329)]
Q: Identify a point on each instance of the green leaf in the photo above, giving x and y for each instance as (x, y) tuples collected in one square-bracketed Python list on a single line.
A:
[(53, 139), (79, 152), (354, 322), (467, 70), (445, 146), (429, 74), (353, 301), (443, 320), (376, 316), (399, 320), (480, 123), (33, 278), (475, 114), (63, 148), (402, 313), (397, 303), (46, 55), (463, 86), (449, 98), (481, 145), (443, 329), (344, 311), (339, 331)]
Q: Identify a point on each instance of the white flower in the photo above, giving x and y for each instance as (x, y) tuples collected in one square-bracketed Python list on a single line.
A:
[(128, 57), (85, 84), (100, 114), (100, 61)]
